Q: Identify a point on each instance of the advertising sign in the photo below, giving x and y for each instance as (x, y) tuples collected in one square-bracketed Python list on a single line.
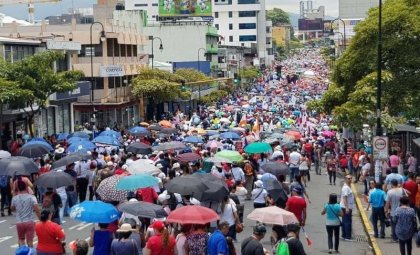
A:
[(311, 25), (185, 8), (112, 71), (82, 89), (380, 147)]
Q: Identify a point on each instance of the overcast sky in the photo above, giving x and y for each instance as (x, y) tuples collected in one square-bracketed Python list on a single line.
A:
[(48, 9)]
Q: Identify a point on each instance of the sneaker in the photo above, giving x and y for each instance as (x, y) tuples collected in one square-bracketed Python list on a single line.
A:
[(336, 251), (348, 240), (329, 251)]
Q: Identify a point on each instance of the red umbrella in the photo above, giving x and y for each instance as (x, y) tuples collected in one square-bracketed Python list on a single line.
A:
[(188, 157), (192, 214), (295, 134)]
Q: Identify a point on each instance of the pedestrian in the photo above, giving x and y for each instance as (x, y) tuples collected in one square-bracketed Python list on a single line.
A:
[(298, 183), (411, 187), (5, 193), (50, 235), (333, 213), (294, 161), (304, 167), (394, 175), (101, 239), (136, 235), (181, 238), (71, 189), (332, 169), (196, 242), (297, 205), (124, 245), (26, 206), (229, 213), (259, 195), (52, 201), (347, 206), (317, 159), (79, 247), (217, 244), (377, 199), (411, 162), (252, 244), (406, 225), (393, 197), (161, 243), (294, 244)]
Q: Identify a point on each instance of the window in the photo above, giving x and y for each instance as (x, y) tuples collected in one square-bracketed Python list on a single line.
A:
[(230, 26), (111, 82), (88, 51), (216, 15), (123, 50), (217, 26), (98, 82), (247, 14), (230, 14), (247, 38), (247, 25), (140, 5), (230, 38), (155, 4), (129, 50), (62, 64), (247, 1)]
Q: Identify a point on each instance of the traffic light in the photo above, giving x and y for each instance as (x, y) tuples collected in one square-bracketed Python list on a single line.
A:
[(183, 87), (235, 78)]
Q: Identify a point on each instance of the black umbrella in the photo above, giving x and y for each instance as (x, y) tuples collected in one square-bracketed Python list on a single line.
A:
[(143, 209), (276, 168), (276, 190), (169, 130), (139, 148), (217, 188), (54, 180), (187, 185), (169, 146), (69, 159), (34, 151), (155, 127), (17, 166)]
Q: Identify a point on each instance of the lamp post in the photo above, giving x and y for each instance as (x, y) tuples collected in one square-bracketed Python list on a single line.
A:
[(92, 52), (344, 26), (342, 39), (379, 78), (198, 65), (152, 38)]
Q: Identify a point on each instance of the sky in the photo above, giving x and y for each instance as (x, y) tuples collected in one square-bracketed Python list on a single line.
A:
[(19, 11)]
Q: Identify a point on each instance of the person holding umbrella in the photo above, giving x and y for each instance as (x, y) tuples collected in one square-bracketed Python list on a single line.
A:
[(252, 245)]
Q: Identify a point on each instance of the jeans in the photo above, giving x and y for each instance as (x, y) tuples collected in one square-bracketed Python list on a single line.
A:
[(71, 200), (6, 196), (406, 243), (91, 193), (336, 231), (232, 232), (378, 213), (332, 176), (317, 166), (393, 224), (347, 223), (294, 171), (61, 209), (81, 186)]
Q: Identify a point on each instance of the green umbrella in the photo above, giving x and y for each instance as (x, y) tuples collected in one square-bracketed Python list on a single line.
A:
[(231, 155), (259, 147)]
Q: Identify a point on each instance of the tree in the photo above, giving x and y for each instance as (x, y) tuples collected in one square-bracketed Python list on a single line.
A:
[(191, 75), (354, 73), (278, 17), (37, 75), (214, 96)]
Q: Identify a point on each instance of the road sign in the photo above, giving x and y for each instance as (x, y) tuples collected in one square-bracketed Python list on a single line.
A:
[(380, 147)]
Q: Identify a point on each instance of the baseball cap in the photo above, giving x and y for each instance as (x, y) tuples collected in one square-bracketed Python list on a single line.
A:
[(158, 225), (297, 190)]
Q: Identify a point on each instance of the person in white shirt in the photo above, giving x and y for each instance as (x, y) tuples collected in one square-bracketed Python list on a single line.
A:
[(82, 169), (259, 195), (237, 173), (294, 161), (347, 205)]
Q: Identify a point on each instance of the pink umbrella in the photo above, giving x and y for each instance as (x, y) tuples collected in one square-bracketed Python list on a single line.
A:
[(214, 144), (328, 133), (273, 215), (229, 108)]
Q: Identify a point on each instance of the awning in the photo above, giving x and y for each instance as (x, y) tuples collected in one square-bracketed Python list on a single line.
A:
[(405, 128)]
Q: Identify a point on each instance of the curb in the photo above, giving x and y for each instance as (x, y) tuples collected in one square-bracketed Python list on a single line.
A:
[(365, 221)]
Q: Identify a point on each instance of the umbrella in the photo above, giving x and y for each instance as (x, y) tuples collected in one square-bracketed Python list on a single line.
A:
[(54, 180), (275, 189), (38, 139), (33, 151), (62, 136), (143, 166), (5, 154), (258, 147), (186, 185), (107, 191), (226, 120), (193, 139), (107, 140), (238, 130), (81, 134), (231, 155), (169, 146), (76, 139), (95, 212), (155, 128), (143, 209), (229, 135), (67, 160), (276, 136), (275, 168), (295, 134), (40, 143), (111, 133), (199, 131), (165, 123), (133, 182), (139, 148), (217, 188), (139, 131), (83, 146), (188, 157), (219, 160), (17, 166), (273, 215), (328, 133), (211, 132), (214, 144), (144, 124), (168, 131), (192, 214)]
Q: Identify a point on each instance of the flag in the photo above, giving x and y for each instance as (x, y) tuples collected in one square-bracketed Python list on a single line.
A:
[(308, 241)]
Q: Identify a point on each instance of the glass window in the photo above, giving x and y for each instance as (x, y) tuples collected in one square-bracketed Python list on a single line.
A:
[(99, 83), (247, 25), (216, 15), (129, 50), (230, 26), (111, 82), (247, 38), (230, 38), (123, 50), (247, 14), (110, 45), (230, 14), (217, 26), (8, 52), (247, 1)]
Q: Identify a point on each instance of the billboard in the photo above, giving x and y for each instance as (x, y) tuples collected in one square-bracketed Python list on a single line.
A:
[(185, 8), (311, 25)]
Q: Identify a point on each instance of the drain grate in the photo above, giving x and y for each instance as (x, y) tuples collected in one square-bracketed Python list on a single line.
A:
[(361, 238)]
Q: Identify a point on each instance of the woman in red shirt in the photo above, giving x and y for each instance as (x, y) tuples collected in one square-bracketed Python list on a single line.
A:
[(161, 243), (50, 235)]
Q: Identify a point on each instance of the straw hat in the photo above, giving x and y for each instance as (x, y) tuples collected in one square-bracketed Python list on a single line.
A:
[(125, 228)]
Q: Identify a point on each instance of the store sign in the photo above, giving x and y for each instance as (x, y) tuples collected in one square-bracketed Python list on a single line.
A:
[(63, 45), (82, 89), (112, 71)]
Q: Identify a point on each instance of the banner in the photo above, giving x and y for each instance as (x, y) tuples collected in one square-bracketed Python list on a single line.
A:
[(185, 8)]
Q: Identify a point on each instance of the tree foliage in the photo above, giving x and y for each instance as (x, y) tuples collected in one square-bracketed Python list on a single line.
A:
[(249, 72), (352, 96), (191, 75), (278, 16), (213, 97)]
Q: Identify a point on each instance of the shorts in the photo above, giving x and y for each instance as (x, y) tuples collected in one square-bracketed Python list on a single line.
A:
[(26, 230), (304, 172)]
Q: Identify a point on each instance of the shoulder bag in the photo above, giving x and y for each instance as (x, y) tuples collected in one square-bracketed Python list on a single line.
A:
[(239, 227), (336, 215)]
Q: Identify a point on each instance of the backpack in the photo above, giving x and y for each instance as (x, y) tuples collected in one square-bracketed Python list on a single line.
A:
[(283, 247), (48, 203), (4, 181)]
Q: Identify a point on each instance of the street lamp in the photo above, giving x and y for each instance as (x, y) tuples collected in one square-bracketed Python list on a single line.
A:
[(344, 26), (342, 39), (379, 78), (92, 51), (152, 38), (198, 65)]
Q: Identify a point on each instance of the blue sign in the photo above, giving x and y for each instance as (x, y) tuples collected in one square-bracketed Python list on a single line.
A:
[(82, 89)]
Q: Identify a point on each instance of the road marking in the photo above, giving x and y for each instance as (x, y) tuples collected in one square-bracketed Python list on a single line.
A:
[(15, 246), (2, 239), (85, 226), (87, 239), (77, 225), (1, 221)]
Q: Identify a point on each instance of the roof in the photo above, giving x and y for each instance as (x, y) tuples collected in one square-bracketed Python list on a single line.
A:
[(8, 19), (10, 40), (417, 141), (406, 128)]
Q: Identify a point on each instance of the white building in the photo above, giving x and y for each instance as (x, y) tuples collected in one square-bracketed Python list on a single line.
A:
[(151, 6)]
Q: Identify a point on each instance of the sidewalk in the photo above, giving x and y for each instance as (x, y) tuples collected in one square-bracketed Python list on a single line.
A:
[(386, 246)]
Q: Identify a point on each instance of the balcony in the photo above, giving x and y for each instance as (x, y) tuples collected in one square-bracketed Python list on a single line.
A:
[(212, 31), (212, 49)]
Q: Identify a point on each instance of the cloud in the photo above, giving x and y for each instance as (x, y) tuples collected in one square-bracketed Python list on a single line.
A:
[(331, 6)]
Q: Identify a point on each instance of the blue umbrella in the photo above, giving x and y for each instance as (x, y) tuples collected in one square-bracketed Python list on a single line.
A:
[(83, 146), (134, 182), (210, 132), (193, 139), (111, 133), (38, 139), (62, 136), (95, 212), (108, 140), (80, 134), (40, 143), (76, 139), (139, 131), (229, 135)]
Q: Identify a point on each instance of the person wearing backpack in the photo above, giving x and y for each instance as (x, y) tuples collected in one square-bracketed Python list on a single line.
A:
[(6, 194), (290, 245), (51, 201)]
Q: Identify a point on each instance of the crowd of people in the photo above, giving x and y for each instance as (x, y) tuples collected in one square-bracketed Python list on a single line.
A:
[(272, 111)]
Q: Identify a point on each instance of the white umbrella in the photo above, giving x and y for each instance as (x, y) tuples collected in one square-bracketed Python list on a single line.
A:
[(224, 120), (5, 154), (143, 166)]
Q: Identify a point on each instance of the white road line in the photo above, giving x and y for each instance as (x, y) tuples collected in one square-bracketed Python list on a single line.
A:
[(85, 226), (87, 239), (2, 239), (1, 221), (77, 225), (15, 246)]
